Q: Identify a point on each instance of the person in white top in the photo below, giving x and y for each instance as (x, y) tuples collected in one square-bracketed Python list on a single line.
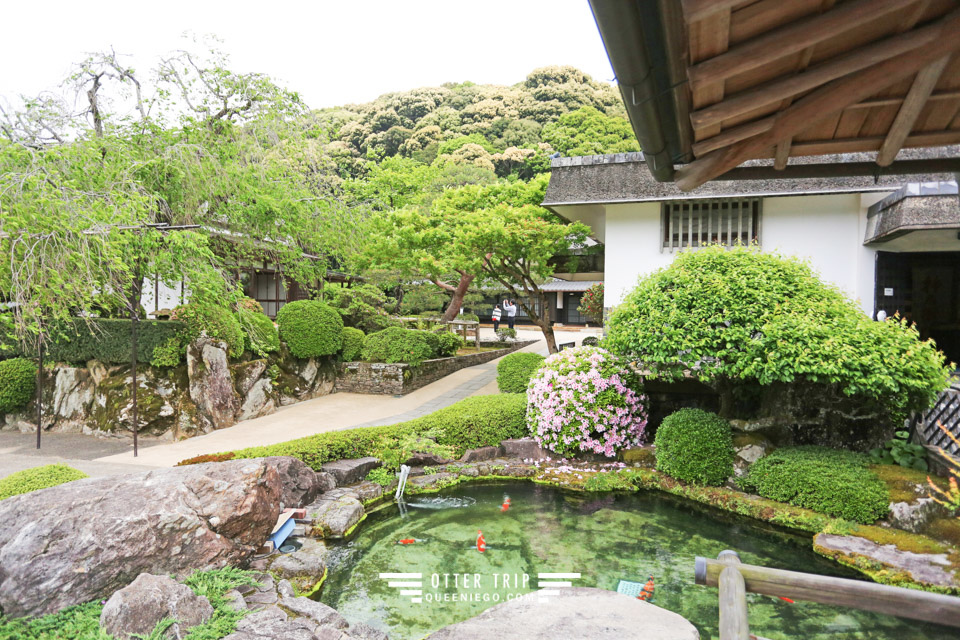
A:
[(510, 307), (496, 317)]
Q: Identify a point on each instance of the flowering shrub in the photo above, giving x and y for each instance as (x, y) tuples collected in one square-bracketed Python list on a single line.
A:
[(586, 399), (591, 302)]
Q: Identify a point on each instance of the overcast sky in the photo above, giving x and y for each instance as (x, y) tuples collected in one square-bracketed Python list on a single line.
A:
[(332, 52)]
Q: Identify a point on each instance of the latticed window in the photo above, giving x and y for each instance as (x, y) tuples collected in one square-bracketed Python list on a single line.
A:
[(701, 222)]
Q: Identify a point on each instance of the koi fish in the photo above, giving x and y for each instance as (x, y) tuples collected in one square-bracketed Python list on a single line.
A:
[(481, 543), (407, 541), (506, 503), (646, 594), (786, 599)]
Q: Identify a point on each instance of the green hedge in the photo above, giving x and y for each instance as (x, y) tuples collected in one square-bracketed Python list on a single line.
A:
[(352, 344), (830, 481), (18, 383), (450, 343), (218, 323), (397, 344), (477, 421), (695, 446), (515, 369), (260, 335), (310, 328), (38, 478), (103, 339)]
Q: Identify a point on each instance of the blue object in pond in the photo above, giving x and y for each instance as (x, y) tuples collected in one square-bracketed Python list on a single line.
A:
[(629, 588), (282, 533)]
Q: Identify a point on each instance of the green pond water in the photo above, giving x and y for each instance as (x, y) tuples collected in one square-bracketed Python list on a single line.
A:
[(604, 537)]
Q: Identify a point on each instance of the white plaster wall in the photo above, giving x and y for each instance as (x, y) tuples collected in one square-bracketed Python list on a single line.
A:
[(827, 230), (169, 298)]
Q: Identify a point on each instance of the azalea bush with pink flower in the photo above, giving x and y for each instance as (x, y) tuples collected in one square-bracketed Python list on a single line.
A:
[(586, 400)]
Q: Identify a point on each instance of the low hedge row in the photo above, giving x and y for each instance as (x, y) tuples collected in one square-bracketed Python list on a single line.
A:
[(473, 422), (831, 481), (515, 370), (104, 339), (38, 478), (397, 344)]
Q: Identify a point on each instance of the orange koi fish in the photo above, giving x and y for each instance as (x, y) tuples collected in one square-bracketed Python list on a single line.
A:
[(481, 543), (646, 594), (786, 599), (506, 503), (407, 541)]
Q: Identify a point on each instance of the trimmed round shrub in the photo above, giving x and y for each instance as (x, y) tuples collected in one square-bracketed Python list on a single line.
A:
[(695, 446), (18, 383), (830, 481), (216, 322), (310, 328), (397, 344), (38, 478), (515, 370), (450, 343), (586, 399), (590, 341), (352, 344), (260, 334)]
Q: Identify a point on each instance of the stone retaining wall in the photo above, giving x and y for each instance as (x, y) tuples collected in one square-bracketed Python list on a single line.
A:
[(400, 379)]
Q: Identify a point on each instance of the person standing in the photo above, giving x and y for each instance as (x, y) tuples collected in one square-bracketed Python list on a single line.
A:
[(497, 313), (510, 306)]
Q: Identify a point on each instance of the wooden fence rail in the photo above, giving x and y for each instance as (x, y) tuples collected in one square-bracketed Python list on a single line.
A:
[(869, 596)]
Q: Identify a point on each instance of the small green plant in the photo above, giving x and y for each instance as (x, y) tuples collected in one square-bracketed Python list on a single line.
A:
[(449, 344), (38, 478), (260, 335), (168, 354), (397, 344), (79, 622), (900, 451), (382, 476), (609, 481), (515, 370), (352, 344), (18, 383), (506, 334), (311, 329), (830, 481), (695, 446)]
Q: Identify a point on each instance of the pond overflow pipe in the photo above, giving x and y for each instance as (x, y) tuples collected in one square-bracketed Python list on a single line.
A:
[(402, 484)]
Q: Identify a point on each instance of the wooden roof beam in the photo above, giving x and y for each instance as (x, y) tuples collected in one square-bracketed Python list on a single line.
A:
[(696, 10), (791, 39), (857, 60), (910, 110), (822, 104)]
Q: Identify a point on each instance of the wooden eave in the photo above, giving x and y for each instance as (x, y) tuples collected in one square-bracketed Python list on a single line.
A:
[(777, 79)]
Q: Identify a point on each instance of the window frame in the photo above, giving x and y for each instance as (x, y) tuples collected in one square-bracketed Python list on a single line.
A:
[(719, 209)]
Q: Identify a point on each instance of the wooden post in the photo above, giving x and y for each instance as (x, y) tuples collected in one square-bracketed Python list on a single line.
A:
[(857, 594), (733, 599)]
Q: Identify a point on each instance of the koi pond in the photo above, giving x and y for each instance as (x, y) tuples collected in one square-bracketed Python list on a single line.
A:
[(605, 537)]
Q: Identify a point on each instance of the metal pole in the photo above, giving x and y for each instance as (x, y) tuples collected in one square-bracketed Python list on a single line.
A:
[(134, 319), (39, 387)]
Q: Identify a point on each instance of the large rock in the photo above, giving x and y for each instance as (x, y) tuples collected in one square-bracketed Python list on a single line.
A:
[(272, 624), (350, 471), (915, 516), (320, 613), (931, 568), (211, 385), (480, 454), (306, 564), (577, 612), (259, 401), (83, 540), (524, 448), (138, 607), (333, 517), (300, 484)]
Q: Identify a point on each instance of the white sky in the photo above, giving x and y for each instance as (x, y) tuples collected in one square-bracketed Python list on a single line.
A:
[(331, 52)]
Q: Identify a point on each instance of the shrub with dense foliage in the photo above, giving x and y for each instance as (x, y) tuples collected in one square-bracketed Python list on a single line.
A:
[(28, 480), (311, 329), (695, 446), (216, 322), (591, 302), (515, 370), (831, 481), (397, 344), (590, 341), (352, 344), (477, 421), (737, 315), (260, 334), (360, 306), (586, 399), (450, 344), (18, 383)]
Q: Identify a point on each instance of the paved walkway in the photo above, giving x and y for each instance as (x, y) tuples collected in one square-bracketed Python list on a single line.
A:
[(107, 456)]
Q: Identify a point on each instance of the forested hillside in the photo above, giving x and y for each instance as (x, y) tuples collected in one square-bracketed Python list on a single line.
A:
[(243, 172)]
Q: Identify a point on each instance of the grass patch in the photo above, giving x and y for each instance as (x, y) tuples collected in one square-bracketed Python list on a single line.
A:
[(80, 622), (901, 482)]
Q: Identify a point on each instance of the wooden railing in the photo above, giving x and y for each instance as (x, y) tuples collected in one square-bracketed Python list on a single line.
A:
[(735, 580)]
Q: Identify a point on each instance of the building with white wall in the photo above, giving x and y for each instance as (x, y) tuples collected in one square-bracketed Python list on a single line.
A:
[(890, 243)]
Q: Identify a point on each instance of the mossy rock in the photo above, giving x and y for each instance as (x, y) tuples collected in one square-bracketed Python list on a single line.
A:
[(158, 399), (645, 456), (906, 485)]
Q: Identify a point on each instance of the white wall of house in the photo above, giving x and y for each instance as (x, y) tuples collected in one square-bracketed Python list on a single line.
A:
[(159, 295), (827, 230)]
